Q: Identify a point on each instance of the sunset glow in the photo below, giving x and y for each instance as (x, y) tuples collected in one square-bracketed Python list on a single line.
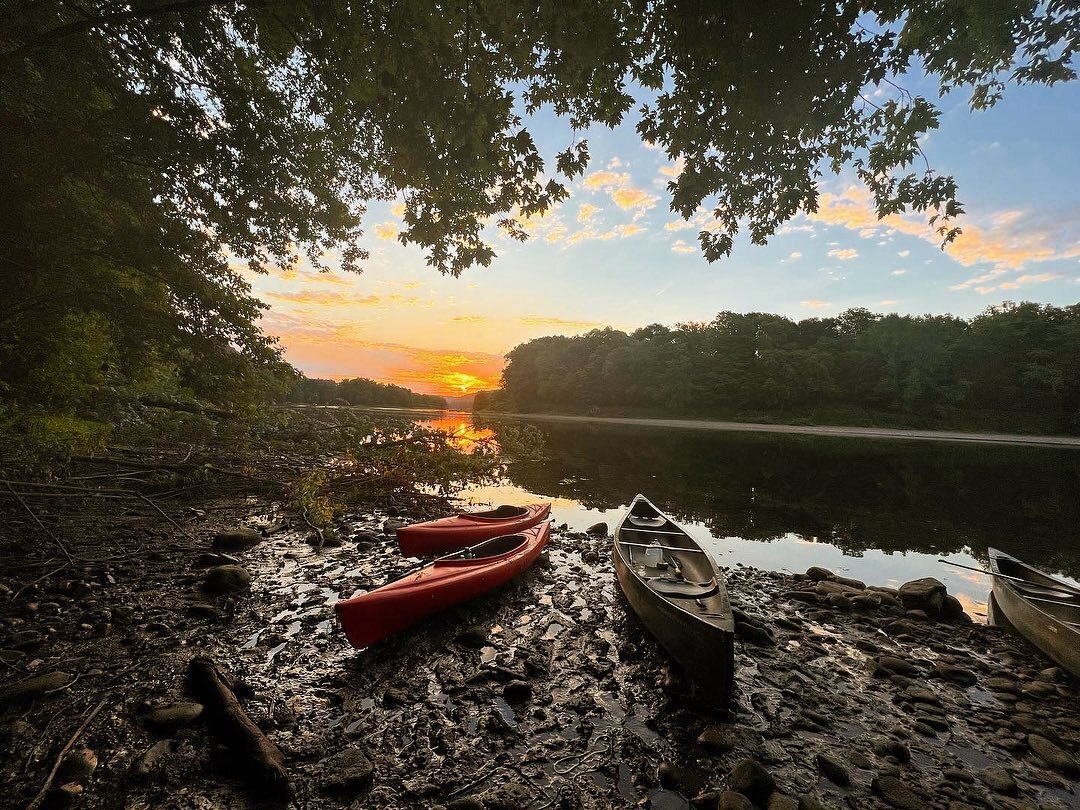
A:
[(614, 255)]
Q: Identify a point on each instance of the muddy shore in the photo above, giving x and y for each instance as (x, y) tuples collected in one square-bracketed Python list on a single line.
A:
[(547, 693)]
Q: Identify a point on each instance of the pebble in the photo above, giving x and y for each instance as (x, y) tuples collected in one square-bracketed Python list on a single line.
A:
[(716, 740), (348, 771), (77, 766), (998, 780), (598, 529), (833, 770), (33, 688), (818, 573), (1057, 758), (686, 781), (475, 636), (750, 778), (151, 760), (518, 691), (730, 800), (238, 539), (895, 793), (227, 579), (170, 719)]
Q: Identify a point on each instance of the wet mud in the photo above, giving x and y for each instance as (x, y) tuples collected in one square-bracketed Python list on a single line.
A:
[(545, 693)]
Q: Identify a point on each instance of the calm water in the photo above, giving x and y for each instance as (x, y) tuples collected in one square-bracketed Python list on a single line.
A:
[(880, 511)]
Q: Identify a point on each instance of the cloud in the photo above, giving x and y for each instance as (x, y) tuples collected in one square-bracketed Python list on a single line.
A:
[(469, 319), (398, 210), (897, 272), (814, 303), (386, 230), (845, 254), (903, 254), (679, 225), (542, 320), (1006, 240), (681, 247), (629, 197), (605, 179), (888, 302), (981, 283), (586, 212), (629, 229), (673, 170), (794, 255), (614, 163)]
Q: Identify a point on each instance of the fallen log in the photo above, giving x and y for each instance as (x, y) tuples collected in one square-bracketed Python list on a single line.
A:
[(227, 720)]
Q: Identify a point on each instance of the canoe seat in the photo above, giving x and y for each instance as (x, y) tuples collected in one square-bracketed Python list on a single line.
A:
[(681, 589)]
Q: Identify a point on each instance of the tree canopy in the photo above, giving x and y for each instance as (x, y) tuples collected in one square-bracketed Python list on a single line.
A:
[(154, 147), (1014, 367)]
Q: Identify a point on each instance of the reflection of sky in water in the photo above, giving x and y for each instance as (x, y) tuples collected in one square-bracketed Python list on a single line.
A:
[(463, 434), (790, 553)]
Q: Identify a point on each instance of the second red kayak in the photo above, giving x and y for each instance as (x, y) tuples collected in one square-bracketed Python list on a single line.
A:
[(450, 580), (451, 533)]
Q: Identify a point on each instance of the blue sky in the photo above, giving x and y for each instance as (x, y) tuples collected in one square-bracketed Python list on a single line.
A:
[(614, 255)]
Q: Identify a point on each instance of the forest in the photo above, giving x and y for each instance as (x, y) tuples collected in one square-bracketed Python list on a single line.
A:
[(1013, 367), (358, 391)]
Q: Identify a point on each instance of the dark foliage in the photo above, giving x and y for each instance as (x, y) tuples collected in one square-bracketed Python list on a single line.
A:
[(1016, 366), (358, 391)]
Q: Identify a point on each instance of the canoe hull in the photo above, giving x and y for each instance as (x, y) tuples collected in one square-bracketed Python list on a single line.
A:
[(373, 616), (699, 634), (1053, 637), (449, 534)]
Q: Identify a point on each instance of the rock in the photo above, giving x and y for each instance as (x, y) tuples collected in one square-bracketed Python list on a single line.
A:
[(239, 539), (716, 740), (33, 688), (885, 747), (590, 557), (391, 526), (833, 770), (518, 691), (808, 801), (466, 803), (953, 611), (954, 674), (686, 781), (866, 601), (227, 579), (857, 584), (65, 795), (151, 760), (754, 634), (1057, 758), (1002, 685), (926, 594), (202, 610), (395, 697), (825, 587), (26, 639), (895, 793), (511, 796), (730, 800), (810, 597), (817, 573), (859, 760), (839, 601), (211, 559), (781, 801), (475, 636), (885, 665), (958, 775), (77, 766), (597, 529), (998, 780), (348, 771), (750, 778), (170, 719)]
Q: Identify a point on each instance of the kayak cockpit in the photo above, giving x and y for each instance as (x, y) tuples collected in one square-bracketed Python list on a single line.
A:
[(504, 512), (495, 547)]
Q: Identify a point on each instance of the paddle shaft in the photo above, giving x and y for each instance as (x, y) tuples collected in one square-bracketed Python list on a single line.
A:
[(662, 548), (1001, 576)]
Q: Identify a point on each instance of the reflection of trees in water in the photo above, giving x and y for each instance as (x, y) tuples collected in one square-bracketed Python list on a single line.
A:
[(855, 494)]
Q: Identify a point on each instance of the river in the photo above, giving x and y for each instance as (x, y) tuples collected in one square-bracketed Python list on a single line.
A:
[(883, 511)]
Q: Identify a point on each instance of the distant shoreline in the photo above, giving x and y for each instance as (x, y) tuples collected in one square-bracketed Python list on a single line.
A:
[(839, 431)]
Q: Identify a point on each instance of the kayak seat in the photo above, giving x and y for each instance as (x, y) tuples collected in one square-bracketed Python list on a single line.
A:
[(681, 589)]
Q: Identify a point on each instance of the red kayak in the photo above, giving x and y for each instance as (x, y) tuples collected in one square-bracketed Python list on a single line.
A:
[(451, 533), (452, 579)]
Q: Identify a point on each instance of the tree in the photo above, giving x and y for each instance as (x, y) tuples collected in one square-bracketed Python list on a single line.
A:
[(147, 144)]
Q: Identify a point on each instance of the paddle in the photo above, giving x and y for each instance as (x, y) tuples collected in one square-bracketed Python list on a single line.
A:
[(1027, 582)]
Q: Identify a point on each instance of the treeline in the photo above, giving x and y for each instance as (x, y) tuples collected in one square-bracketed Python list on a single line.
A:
[(358, 391), (1014, 367)]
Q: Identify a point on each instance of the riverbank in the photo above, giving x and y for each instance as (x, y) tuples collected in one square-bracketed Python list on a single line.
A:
[(545, 693), (807, 430)]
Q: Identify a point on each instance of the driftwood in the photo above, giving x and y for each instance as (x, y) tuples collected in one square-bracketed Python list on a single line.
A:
[(228, 721), (40, 797)]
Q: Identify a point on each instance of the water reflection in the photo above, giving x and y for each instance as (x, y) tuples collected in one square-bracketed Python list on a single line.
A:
[(461, 432), (882, 511)]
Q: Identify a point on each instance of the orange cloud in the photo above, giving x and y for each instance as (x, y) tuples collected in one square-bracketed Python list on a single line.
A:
[(327, 298), (681, 247), (629, 197), (814, 303), (386, 230), (586, 212), (845, 254), (605, 179), (469, 319)]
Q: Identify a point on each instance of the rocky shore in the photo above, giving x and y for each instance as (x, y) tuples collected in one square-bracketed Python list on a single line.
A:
[(547, 693)]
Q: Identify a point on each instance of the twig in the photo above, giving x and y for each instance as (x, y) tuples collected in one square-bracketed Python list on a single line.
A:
[(37, 800), (50, 535)]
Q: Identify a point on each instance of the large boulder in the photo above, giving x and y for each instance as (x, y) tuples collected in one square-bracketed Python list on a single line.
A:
[(227, 579), (926, 594), (239, 539)]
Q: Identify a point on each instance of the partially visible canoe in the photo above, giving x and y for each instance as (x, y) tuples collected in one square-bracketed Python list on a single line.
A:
[(674, 586), (450, 580), (451, 533), (1043, 609)]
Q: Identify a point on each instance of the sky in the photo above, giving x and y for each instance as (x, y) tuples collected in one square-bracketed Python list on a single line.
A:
[(614, 255)]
